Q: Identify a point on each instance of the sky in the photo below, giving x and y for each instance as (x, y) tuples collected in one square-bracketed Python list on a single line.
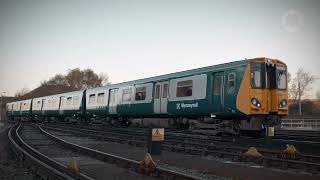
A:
[(133, 39)]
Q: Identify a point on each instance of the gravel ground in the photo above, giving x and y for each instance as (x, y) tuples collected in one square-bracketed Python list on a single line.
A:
[(11, 168), (205, 167)]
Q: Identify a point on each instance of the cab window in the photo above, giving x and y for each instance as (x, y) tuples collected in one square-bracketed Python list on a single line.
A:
[(256, 75), (281, 77)]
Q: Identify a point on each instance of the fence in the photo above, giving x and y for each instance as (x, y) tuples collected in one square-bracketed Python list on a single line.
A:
[(301, 123)]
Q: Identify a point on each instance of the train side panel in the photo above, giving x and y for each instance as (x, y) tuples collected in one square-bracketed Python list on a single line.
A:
[(96, 100), (72, 104), (136, 100)]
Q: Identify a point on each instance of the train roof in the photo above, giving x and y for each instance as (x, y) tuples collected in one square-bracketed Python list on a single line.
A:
[(182, 73), (161, 77)]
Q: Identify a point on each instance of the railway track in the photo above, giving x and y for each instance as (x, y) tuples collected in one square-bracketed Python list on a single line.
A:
[(277, 144), (50, 155), (269, 157), (300, 135), (41, 164)]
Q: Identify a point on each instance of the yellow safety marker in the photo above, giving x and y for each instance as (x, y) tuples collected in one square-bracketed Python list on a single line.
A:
[(270, 131), (73, 165), (158, 134), (252, 152)]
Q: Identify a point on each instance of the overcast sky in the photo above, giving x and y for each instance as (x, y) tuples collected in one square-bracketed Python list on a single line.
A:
[(136, 39)]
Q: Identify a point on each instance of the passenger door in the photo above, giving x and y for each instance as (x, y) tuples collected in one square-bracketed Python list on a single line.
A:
[(113, 101), (161, 92), (62, 102), (218, 92)]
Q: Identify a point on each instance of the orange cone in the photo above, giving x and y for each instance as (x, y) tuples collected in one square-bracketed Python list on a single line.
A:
[(147, 163), (290, 151), (253, 152)]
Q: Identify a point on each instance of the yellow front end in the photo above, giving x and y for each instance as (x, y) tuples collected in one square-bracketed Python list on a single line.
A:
[(263, 94)]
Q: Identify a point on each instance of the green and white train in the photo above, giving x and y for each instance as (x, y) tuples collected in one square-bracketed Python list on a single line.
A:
[(244, 95)]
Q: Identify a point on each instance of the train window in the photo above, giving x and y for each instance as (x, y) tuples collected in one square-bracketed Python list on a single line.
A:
[(256, 75), (281, 77), (92, 99), (126, 95), (100, 99), (157, 92), (54, 102), (69, 99), (184, 88), (231, 82), (165, 91), (217, 81), (75, 100), (256, 78), (140, 93), (49, 103)]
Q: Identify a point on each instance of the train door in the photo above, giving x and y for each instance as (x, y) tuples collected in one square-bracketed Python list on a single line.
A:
[(218, 92), (62, 101), (113, 101), (161, 92)]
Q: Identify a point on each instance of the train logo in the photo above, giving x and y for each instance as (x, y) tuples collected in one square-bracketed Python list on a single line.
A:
[(185, 105)]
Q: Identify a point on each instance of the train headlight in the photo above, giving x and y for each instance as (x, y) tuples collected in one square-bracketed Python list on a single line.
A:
[(283, 103), (255, 102)]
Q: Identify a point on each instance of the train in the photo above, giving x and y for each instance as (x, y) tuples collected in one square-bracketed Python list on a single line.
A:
[(243, 95)]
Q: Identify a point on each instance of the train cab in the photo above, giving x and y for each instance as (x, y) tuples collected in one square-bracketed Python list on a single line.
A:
[(263, 94)]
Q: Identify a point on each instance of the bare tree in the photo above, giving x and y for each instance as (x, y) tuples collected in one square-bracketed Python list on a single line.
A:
[(288, 78), (21, 92), (74, 78), (300, 85), (58, 79), (87, 78), (318, 94), (104, 78)]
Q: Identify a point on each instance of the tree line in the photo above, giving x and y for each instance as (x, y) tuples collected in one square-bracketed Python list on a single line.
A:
[(75, 79)]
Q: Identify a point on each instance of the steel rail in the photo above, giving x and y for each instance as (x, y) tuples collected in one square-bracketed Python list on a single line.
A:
[(185, 144), (121, 161), (223, 151), (41, 164)]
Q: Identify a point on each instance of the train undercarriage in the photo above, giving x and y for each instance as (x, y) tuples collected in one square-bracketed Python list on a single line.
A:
[(254, 125)]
